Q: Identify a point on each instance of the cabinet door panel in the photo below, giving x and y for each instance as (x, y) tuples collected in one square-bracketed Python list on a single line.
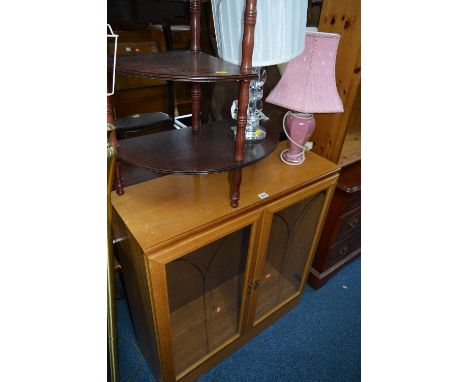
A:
[(205, 295), (289, 243)]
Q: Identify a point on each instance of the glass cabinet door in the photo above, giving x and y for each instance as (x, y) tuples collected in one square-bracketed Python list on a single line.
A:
[(290, 239), (205, 295)]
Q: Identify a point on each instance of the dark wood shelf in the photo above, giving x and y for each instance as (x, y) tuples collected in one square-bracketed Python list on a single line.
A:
[(179, 66), (185, 152)]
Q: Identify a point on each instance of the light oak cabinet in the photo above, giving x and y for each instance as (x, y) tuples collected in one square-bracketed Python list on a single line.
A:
[(202, 278)]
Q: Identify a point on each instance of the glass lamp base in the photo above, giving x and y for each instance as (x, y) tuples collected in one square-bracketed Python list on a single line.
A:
[(256, 134), (253, 131)]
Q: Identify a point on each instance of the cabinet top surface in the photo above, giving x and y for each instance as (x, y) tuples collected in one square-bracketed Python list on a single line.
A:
[(179, 66), (164, 208)]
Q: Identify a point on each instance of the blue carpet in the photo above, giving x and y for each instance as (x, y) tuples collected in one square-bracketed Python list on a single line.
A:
[(319, 340)]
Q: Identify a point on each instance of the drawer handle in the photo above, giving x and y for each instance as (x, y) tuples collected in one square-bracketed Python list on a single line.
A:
[(343, 250), (353, 223)]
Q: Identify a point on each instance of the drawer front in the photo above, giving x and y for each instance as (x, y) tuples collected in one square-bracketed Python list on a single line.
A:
[(343, 248), (348, 223), (354, 201)]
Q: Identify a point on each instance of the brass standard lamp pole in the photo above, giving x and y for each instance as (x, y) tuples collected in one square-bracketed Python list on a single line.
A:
[(111, 315)]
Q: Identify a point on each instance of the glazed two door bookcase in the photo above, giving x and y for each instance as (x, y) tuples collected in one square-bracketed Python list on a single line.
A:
[(201, 279)]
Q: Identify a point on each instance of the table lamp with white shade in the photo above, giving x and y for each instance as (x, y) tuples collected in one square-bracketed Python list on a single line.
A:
[(307, 86), (279, 37)]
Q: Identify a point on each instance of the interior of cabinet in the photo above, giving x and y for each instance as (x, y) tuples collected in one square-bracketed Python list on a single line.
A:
[(205, 295), (288, 248)]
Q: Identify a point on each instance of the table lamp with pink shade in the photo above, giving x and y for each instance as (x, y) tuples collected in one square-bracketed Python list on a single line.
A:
[(307, 86)]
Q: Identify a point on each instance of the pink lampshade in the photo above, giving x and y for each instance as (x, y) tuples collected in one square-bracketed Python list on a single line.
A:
[(308, 83)]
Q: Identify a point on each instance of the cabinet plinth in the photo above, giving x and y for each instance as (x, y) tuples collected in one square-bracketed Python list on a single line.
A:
[(204, 278), (185, 152)]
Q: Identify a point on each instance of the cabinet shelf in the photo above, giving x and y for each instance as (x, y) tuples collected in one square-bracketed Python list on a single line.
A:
[(179, 66), (185, 152), (199, 329)]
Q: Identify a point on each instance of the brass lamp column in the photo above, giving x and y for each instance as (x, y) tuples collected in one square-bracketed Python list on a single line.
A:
[(112, 349)]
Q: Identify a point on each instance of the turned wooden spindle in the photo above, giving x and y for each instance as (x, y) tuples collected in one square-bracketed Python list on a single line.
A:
[(250, 17), (195, 12), (236, 180), (196, 102)]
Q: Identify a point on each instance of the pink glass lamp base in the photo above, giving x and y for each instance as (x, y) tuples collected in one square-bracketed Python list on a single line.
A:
[(298, 128)]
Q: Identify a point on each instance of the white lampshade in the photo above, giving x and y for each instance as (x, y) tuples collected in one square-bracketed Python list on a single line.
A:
[(279, 30)]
